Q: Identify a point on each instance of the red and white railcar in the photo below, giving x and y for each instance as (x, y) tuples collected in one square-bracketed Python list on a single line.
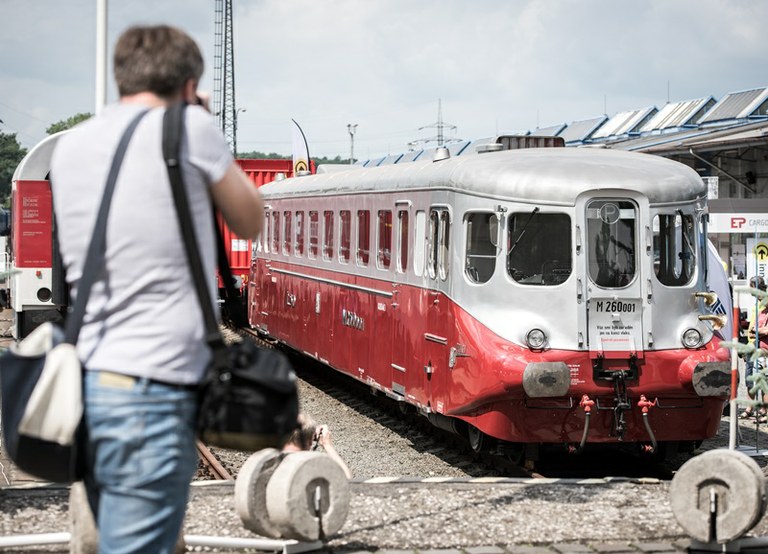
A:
[(37, 289), (521, 297)]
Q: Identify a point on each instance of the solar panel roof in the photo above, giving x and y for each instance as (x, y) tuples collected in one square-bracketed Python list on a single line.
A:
[(581, 130), (677, 114), (738, 105), (624, 122), (550, 131)]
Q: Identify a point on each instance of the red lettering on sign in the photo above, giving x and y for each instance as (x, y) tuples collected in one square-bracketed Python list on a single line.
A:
[(738, 222)]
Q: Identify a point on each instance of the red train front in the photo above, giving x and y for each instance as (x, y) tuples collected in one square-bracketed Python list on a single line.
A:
[(520, 297)]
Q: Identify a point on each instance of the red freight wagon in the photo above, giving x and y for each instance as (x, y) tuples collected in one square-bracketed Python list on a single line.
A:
[(260, 172)]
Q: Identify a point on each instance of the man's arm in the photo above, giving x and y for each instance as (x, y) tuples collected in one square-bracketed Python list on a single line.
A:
[(240, 203)]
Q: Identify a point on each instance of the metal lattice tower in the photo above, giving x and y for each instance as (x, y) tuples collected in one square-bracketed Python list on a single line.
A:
[(441, 126), (224, 73)]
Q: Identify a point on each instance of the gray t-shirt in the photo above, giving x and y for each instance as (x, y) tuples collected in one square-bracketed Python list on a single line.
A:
[(143, 317)]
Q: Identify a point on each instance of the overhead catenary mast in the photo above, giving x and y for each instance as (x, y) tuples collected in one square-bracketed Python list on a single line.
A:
[(224, 106), (441, 127)]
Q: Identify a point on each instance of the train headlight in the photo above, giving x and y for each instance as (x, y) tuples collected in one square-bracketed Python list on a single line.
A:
[(536, 339), (691, 338)]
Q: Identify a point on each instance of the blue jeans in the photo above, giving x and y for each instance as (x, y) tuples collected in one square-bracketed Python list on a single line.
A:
[(141, 457)]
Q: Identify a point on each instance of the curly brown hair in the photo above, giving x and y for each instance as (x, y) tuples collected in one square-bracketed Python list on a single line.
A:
[(158, 59)]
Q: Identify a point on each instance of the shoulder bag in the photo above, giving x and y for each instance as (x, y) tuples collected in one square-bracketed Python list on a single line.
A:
[(41, 376), (248, 396)]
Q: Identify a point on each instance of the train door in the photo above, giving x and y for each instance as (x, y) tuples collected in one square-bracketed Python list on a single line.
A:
[(401, 314), (380, 368), (256, 277), (349, 323), (439, 313), (271, 304), (611, 289)]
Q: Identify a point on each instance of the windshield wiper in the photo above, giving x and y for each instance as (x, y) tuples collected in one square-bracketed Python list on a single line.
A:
[(522, 232)]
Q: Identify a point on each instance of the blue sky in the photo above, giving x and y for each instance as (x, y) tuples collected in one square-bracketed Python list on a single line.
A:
[(497, 65)]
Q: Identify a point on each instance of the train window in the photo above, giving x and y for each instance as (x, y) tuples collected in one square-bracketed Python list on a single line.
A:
[(402, 259), (314, 234), (345, 218), (363, 236), (539, 248), (299, 237), (327, 235), (275, 232), (674, 255), (432, 245), (420, 237), (445, 230), (482, 238), (287, 234), (265, 233), (611, 242), (384, 255)]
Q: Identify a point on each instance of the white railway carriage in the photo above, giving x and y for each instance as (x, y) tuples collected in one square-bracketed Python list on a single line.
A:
[(521, 297)]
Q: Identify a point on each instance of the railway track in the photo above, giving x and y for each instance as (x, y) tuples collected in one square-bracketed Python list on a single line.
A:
[(211, 465), (386, 428)]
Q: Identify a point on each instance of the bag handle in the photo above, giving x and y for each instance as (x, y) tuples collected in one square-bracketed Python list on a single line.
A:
[(97, 247), (173, 128)]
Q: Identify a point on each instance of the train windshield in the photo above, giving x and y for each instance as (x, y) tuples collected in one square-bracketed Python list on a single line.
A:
[(611, 239), (539, 248), (674, 256)]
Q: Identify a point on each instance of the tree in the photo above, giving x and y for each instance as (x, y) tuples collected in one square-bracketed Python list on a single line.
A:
[(256, 155), (68, 123), (11, 153)]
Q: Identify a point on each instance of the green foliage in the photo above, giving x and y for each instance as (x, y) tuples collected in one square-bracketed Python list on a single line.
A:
[(11, 153), (255, 155), (68, 123)]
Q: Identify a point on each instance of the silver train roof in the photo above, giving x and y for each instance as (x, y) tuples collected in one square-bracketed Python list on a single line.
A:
[(546, 175)]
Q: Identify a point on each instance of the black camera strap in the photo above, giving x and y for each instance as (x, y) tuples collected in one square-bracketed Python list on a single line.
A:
[(173, 129)]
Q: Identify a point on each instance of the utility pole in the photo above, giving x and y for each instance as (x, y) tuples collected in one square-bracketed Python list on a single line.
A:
[(351, 128), (234, 134), (101, 55), (224, 106)]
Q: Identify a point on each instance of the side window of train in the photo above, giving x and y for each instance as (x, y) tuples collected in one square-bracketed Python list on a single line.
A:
[(384, 243), (482, 239), (674, 252), (299, 237), (363, 237), (444, 257), (402, 240), (264, 238), (345, 219), (275, 232), (432, 244), (438, 246), (328, 235), (314, 234), (539, 248), (287, 233), (419, 241), (611, 242)]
